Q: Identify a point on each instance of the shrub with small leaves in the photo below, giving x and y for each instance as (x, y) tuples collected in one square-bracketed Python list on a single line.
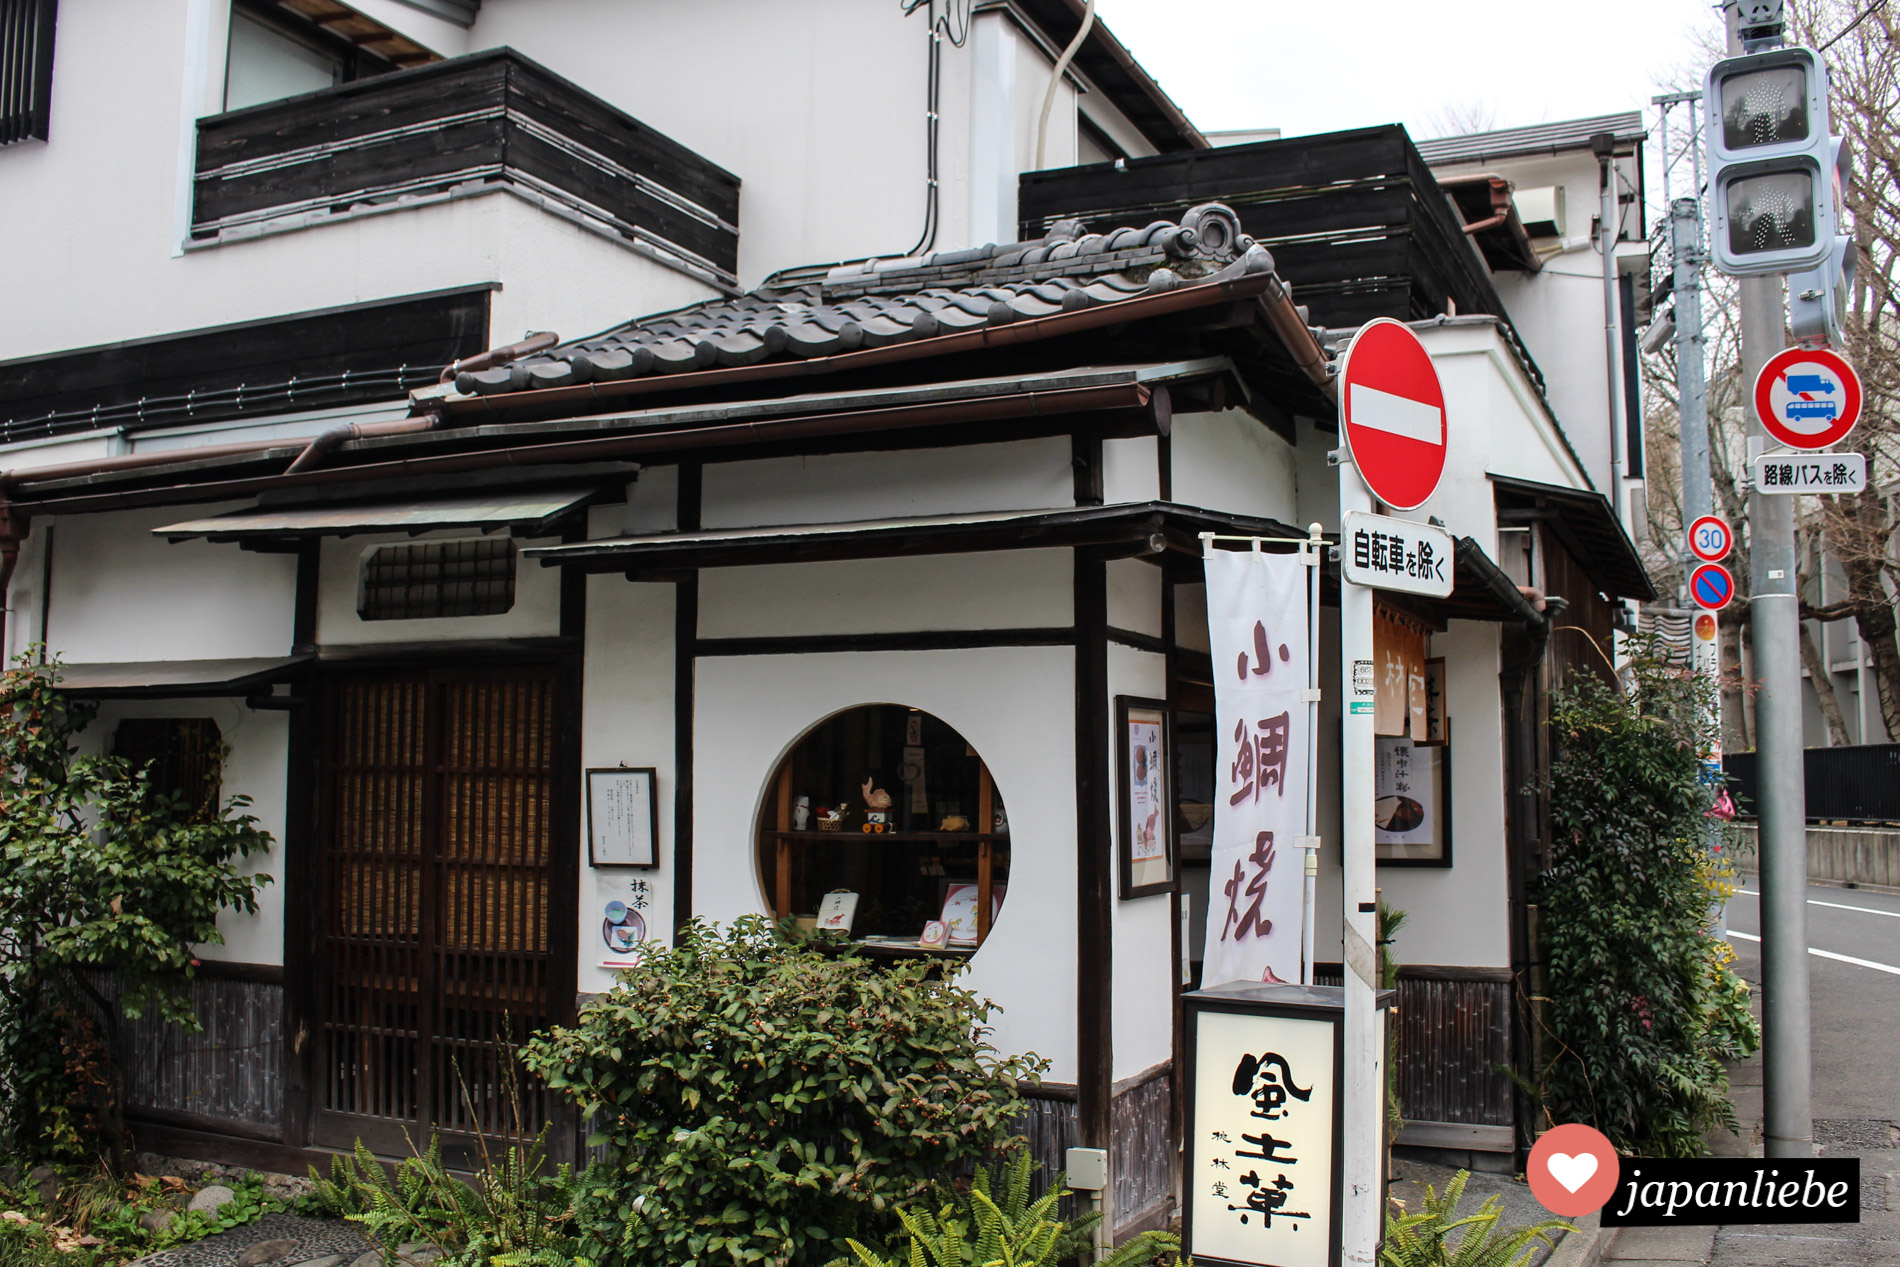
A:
[(103, 876), (1642, 1007), (761, 1098)]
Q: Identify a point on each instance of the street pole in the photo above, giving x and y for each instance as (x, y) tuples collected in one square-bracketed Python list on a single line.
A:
[(1692, 384), (1363, 1110), (1774, 615), (1698, 494)]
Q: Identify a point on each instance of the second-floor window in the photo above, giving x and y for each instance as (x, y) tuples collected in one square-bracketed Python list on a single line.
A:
[(276, 52), (26, 69)]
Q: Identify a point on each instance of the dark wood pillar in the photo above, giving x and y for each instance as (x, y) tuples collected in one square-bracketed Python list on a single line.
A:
[(300, 855), (685, 651), (1094, 855)]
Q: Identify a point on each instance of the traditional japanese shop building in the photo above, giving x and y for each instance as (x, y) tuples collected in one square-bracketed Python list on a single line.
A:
[(593, 646)]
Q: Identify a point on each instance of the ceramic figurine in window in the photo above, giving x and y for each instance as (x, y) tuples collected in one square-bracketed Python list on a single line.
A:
[(801, 813), (954, 822), (1001, 825), (878, 804)]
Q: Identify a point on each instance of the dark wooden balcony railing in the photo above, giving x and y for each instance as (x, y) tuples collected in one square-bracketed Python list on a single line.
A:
[(468, 125)]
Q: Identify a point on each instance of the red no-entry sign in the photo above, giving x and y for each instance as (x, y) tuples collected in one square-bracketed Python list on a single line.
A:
[(1807, 398), (1393, 411)]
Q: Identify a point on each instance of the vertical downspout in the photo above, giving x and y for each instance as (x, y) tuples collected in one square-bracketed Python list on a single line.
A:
[(1524, 645), (1603, 145), (13, 530)]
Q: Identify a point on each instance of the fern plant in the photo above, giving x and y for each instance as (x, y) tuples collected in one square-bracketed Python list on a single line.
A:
[(1426, 1239), (997, 1225)]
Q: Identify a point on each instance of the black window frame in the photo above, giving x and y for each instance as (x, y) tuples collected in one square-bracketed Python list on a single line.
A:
[(26, 69)]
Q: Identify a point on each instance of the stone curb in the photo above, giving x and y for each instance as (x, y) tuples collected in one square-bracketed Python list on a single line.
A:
[(1584, 1247)]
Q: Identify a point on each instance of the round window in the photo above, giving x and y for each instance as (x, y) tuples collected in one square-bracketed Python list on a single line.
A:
[(882, 823)]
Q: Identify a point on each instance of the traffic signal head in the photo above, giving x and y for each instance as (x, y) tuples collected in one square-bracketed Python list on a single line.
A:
[(1770, 162)]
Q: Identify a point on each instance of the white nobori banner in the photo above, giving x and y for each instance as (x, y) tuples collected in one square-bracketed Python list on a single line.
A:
[(1257, 631)]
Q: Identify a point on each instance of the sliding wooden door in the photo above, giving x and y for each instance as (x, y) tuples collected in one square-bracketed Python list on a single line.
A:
[(434, 956)]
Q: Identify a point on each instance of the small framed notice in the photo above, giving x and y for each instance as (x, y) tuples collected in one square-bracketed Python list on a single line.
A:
[(1145, 810), (623, 817)]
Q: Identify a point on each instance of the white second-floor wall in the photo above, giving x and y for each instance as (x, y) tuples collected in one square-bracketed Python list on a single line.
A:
[(1558, 310), (819, 108)]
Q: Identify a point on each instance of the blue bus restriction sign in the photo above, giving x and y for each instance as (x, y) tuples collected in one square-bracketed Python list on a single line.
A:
[(1711, 586)]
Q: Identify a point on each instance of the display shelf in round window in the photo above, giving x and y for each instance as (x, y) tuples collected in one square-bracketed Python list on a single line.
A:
[(884, 824)]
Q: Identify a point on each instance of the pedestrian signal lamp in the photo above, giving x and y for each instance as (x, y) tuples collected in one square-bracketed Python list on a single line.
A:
[(1771, 163)]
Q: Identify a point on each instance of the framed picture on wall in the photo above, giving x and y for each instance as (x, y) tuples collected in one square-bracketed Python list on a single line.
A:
[(623, 817), (1145, 750), (1411, 804)]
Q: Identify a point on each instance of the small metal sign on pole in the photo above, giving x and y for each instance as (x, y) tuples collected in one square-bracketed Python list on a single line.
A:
[(1790, 473)]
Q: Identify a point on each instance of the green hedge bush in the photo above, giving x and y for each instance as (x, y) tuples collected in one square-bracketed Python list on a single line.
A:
[(761, 1098), (1643, 1008)]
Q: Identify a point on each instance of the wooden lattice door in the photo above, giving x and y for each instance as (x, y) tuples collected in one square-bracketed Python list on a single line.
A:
[(434, 954)]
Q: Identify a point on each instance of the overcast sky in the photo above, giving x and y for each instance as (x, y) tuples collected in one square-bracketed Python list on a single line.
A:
[(1319, 65)]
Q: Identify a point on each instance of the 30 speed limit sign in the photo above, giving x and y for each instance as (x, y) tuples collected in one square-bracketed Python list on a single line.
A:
[(1710, 539)]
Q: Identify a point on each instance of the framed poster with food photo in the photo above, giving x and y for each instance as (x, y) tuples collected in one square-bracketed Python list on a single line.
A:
[(1145, 750), (1411, 803)]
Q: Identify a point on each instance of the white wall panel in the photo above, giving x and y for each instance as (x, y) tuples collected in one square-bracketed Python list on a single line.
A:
[(627, 719), (892, 484), (1016, 706), (120, 593), (1143, 963), (1230, 461), (1015, 589)]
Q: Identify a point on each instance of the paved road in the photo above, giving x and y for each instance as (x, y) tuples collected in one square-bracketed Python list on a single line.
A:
[(1855, 1006)]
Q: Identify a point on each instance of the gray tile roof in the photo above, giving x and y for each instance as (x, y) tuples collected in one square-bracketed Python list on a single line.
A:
[(1543, 138), (878, 302)]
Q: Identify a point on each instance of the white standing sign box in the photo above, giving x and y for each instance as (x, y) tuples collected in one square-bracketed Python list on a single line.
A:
[(1265, 1072)]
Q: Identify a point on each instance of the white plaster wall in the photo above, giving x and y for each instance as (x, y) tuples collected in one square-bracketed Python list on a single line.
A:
[(1131, 470), (1142, 1010), (1461, 915), (652, 505), (1558, 310), (120, 593), (536, 613), (1230, 461), (819, 109), (23, 599), (1134, 597), (1013, 589), (1016, 706), (256, 766), (627, 719), (845, 487), (99, 202)]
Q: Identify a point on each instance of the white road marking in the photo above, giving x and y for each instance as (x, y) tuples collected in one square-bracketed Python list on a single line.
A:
[(1399, 415), (1828, 954), (1813, 901)]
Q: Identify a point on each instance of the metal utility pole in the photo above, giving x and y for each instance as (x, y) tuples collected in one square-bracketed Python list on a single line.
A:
[(1692, 384), (1774, 615)]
